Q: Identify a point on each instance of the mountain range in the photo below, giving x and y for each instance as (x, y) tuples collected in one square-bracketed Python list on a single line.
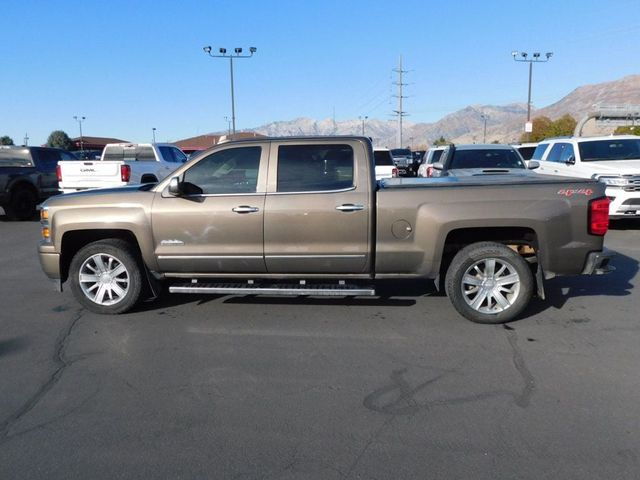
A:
[(505, 123)]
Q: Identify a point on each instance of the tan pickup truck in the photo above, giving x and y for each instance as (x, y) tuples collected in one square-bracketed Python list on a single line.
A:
[(305, 216)]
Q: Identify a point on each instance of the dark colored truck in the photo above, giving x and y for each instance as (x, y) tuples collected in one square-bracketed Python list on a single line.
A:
[(305, 216), (27, 177)]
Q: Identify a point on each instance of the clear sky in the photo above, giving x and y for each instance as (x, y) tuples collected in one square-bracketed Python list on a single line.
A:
[(129, 66)]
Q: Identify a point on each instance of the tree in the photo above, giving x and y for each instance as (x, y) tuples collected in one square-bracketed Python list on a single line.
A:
[(627, 130), (59, 139), (565, 125), (544, 127), (540, 127), (438, 142), (6, 140)]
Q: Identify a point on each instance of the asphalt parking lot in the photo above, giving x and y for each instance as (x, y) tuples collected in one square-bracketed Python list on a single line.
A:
[(257, 387)]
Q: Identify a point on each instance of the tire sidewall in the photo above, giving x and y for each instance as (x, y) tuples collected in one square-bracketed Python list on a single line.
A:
[(122, 251), (22, 205), (477, 252)]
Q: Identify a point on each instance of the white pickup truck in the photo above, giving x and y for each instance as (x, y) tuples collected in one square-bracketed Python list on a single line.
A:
[(121, 164)]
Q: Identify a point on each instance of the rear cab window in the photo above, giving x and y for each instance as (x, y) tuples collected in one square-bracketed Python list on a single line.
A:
[(383, 157), (11, 157), (314, 168), (140, 153)]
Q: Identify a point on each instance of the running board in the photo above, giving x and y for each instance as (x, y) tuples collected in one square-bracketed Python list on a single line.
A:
[(325, 290)]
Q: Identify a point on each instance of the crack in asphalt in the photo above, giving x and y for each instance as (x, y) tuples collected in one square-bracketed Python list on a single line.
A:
[(61, 362), (528, 379)]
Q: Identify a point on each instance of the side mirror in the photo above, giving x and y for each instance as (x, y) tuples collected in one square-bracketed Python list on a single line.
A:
[(438, 166), (571, 160), (533, 164), (175, 188)]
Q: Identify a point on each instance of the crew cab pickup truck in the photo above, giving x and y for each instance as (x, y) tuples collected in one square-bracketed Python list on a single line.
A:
[(121, 164), (28, 176), (305, 216)]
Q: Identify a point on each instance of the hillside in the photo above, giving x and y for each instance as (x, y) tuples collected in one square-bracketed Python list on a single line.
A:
[(505, 123)]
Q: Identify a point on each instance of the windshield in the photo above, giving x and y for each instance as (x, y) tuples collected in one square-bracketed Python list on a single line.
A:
[(613, 149), (486, 159), (383, 157), (401, 152)]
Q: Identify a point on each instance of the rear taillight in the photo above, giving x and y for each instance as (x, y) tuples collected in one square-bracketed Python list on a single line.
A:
[(394, 172), (59, 173), (125, 173), (599, 216), (429, 171)]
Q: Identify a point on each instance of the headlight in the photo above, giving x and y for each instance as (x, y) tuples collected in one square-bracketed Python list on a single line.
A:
[(613, 181)]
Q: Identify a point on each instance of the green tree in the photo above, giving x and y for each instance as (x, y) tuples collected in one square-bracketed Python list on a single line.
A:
[(59, 139), (627, 130), (565, 125), (541, 126), (438, 142), (6, 140)]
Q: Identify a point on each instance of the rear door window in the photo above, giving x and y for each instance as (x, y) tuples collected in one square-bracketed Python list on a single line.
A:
[(312, 168)]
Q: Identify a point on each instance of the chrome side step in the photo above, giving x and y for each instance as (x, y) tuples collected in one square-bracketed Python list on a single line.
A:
[(325, 290)]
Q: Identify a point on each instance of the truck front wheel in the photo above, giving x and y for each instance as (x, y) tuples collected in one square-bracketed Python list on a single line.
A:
[(489, 283), (106, 276)]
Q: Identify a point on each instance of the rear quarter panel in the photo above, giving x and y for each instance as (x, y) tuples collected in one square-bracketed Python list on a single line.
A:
[(559, 220)]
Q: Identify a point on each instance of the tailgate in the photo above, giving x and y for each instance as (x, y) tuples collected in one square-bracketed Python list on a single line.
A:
[(90, 174)]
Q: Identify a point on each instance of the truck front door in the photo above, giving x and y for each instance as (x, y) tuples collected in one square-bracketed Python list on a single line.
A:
[(216, 224), (318, 208)]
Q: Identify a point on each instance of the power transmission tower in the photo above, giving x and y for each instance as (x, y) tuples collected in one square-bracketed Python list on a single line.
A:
[(400, 113)]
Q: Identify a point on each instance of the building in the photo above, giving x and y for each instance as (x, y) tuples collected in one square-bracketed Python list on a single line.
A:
[(93, 143), (202, 142)]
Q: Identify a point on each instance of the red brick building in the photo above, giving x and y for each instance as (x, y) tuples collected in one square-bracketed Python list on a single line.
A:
[(93, 143)]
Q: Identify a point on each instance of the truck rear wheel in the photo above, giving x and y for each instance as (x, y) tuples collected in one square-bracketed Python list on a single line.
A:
[(106, 276), (22, 205), (489, 283)]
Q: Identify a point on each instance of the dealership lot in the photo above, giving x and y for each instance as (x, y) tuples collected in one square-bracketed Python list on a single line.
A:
[(398, 386)]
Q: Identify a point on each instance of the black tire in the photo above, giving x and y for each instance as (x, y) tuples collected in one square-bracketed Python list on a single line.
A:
[(489, 305), (123, 254), (149, 178), (22, 204)]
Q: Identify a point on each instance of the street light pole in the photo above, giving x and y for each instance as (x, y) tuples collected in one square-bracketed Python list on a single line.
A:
[(80, 119), (226, 119), (536, 58), (223, 54), (153, 130)]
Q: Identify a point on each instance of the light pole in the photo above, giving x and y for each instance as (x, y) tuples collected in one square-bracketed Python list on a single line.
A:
[(153, 131), (228, 120), (536, 58), (80, 119), (26, 139), (484, 117), (238, 54)]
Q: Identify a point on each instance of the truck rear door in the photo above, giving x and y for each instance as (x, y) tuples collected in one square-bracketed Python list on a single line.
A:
[(318, 208)]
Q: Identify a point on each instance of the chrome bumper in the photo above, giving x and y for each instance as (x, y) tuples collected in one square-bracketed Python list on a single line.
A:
[(598, 263)]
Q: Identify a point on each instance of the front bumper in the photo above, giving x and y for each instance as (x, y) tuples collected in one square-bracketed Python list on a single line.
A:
[(598, 263)]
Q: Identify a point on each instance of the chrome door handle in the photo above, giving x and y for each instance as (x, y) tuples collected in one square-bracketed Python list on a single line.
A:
[(245, 209), (350, 207)]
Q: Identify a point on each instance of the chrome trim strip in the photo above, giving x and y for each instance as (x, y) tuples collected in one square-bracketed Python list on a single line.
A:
[(316, 256), (208, 257), (314, 191)]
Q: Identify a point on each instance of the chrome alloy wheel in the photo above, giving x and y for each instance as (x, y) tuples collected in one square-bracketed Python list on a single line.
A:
[(104, 279), (490, 285)]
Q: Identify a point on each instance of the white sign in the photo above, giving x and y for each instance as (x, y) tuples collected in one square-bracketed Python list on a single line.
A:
[(528, 127)]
